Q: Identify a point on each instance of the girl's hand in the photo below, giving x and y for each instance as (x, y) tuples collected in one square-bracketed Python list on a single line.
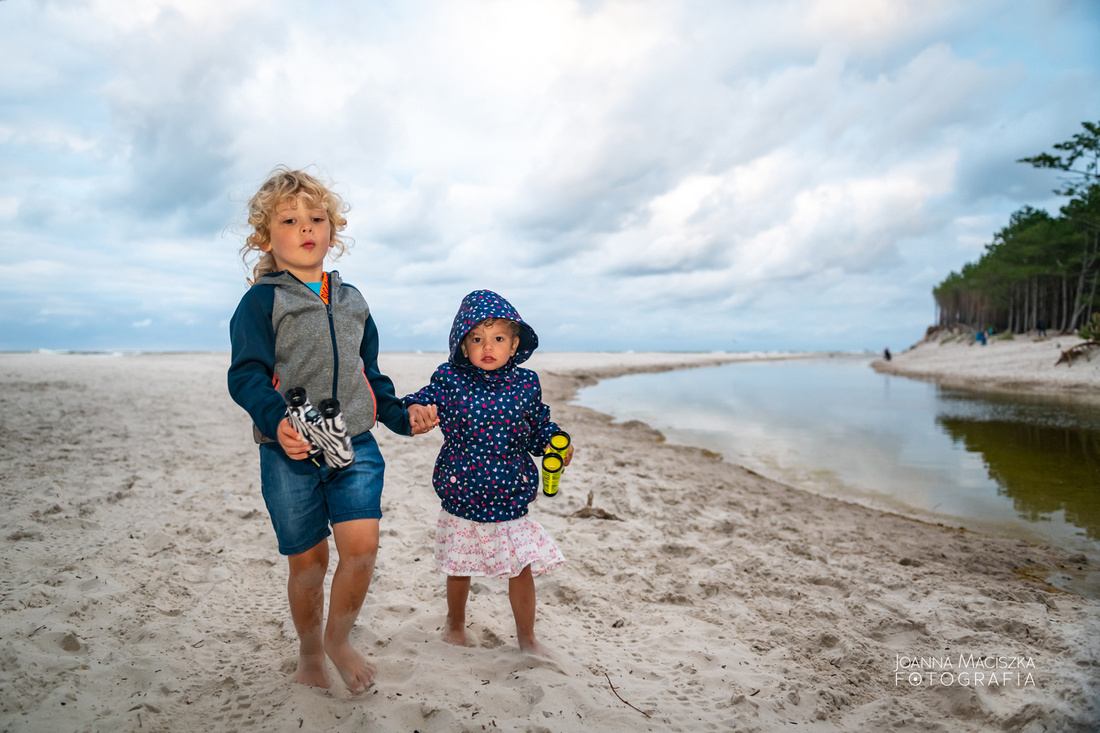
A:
[(422, 418), (291, 442), (564, 459)]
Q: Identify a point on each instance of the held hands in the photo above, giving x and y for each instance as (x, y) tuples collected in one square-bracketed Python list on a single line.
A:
[(293, 444), (423, 418)]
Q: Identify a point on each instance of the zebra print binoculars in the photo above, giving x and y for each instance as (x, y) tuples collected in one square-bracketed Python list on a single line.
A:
[(323, 427)]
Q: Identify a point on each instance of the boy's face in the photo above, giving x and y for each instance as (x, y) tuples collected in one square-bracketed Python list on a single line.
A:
[(300, 238), (490, 346)]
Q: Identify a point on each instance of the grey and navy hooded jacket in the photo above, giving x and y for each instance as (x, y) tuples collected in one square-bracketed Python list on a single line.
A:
[(491, 421), (284, 336)]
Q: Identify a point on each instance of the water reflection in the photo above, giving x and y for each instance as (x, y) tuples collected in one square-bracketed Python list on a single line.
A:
[(1025, 466), (1043, 469)]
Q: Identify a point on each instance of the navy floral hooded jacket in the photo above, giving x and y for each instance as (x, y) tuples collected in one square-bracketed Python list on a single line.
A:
[(491, 421)]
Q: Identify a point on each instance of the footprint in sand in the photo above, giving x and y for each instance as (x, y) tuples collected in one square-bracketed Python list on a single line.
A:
[(489, 640)]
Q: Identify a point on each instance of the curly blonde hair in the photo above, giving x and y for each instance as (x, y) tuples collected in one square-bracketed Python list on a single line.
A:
[(282, 185)]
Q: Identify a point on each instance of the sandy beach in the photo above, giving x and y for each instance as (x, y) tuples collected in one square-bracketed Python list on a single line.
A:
[(1022, 363), (142, 590)]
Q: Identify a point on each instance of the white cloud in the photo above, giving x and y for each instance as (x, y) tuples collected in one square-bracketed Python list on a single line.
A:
[(873, 21), (711, 164), (9, 205)]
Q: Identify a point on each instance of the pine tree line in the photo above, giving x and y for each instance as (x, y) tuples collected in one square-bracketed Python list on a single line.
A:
[(1040, 269)]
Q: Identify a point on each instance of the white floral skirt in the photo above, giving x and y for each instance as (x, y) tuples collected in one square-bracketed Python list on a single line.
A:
[(493, 549)]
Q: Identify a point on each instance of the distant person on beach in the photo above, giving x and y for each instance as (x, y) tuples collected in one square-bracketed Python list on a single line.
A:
[(980, 336), (1042, 327), (886, 354), (493, 418), (299, 326)]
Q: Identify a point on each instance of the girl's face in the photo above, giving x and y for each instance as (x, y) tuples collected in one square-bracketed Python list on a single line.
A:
[(490, 347), (301, 237)]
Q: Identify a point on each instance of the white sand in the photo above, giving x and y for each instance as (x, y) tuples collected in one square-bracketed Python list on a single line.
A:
[(142, 591), (1021, 363)]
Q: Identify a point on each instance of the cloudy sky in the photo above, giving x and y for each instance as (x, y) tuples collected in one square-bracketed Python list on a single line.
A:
[(650, 174)]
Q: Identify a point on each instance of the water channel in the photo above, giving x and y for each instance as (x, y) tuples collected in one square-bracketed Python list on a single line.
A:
[(1020, 466)]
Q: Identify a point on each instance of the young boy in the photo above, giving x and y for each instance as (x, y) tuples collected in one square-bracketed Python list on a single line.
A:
[(298, 326)]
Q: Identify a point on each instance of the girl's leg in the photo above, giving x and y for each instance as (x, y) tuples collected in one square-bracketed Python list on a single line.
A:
[(306, 588), (458, 590), (357, 545), (521, 594)]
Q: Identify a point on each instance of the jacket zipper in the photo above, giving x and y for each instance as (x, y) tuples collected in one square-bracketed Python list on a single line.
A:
[(331, 327), (332, 338)]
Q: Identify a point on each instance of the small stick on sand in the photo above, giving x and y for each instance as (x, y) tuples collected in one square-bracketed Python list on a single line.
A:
[(588, 512), (624, 702)]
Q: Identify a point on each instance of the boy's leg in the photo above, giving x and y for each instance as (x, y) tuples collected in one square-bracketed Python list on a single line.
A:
[(357, 545), (306, 588), (458, 590), (521, 594), (298, 515)]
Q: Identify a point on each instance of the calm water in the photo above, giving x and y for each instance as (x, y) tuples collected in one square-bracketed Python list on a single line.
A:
[(1025, 467)]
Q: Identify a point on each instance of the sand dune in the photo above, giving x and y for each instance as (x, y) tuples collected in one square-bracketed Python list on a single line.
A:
[(1023, 362), (142, 591)]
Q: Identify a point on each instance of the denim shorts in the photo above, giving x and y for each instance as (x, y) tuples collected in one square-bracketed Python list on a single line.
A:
[(304, 499)]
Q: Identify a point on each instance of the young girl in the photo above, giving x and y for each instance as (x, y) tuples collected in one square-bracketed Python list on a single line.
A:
[(299, 326), (492, 416)]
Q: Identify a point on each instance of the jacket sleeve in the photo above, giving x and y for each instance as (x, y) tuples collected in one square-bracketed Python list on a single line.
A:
[(538, 415), (252, 365), (433, 394), (391, 412)]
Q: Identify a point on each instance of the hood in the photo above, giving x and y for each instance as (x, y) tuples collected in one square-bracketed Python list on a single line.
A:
[(475, 308)]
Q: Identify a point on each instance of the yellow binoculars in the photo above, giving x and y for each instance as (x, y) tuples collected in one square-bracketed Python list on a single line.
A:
[(553, 463)]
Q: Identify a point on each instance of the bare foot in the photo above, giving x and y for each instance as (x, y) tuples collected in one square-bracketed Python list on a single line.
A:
[(456, 636), (357, 672), (311, 671), (535, 648)]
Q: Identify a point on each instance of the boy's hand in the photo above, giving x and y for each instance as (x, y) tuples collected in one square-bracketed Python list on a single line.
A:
[(292, 443), (423, 418)]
